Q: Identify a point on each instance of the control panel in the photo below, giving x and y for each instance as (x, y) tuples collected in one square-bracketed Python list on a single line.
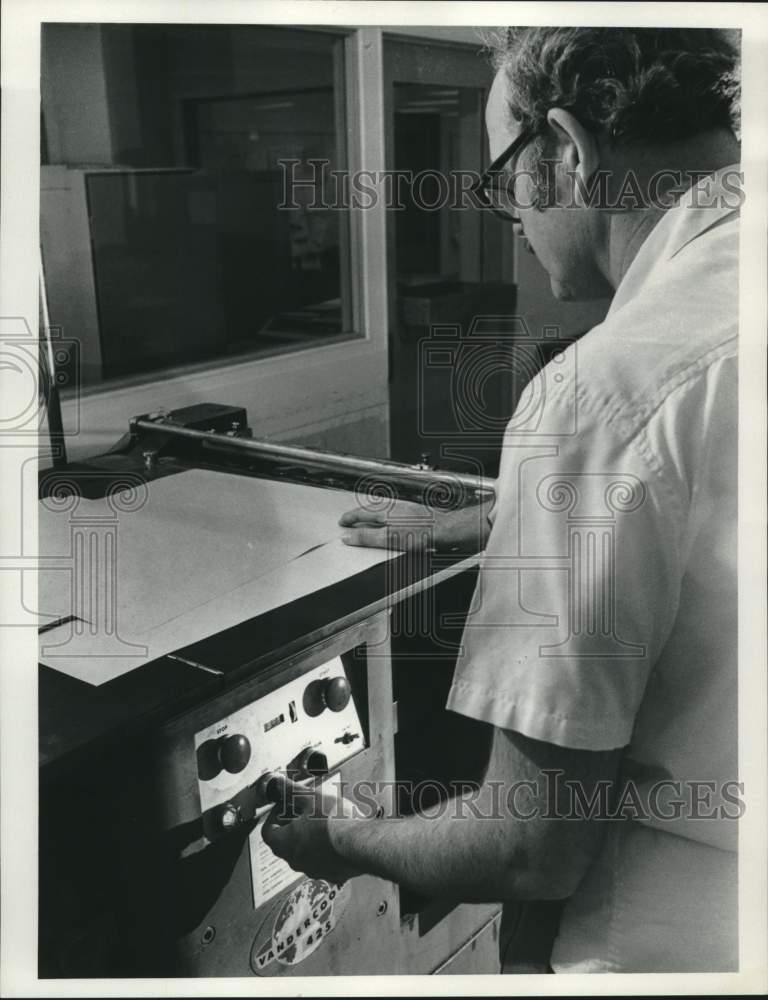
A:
[(303, 729)]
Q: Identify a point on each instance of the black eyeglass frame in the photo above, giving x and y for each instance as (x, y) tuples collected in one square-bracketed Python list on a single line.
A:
[(481, 185)]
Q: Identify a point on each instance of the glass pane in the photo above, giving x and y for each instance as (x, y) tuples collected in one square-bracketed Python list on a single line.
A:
[(194, 258)]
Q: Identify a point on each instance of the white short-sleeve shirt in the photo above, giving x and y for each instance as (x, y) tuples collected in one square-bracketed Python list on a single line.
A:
[(605, 614)]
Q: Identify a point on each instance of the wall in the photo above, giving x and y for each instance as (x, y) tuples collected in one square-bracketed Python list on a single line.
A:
[(462, 34), (74, 95)]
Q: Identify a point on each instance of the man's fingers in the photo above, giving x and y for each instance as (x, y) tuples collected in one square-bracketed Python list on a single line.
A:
[(273, 831), (372, 538), (403, 539), (361, 516), (277, 837)]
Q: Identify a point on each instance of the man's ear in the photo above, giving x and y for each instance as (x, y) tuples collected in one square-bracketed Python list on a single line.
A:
[(581, 151)]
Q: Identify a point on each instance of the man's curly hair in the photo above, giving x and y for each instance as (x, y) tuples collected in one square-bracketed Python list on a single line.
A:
[(644, 85)]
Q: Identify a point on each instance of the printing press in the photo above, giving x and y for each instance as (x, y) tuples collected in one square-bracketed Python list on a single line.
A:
[(157, 730)]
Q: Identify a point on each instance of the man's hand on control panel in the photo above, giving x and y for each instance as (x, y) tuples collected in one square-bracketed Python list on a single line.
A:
[(407, 526), (518, 836), (297, 829)]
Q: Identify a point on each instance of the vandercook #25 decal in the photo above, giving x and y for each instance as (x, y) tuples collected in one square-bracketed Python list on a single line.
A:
[(306, 917)]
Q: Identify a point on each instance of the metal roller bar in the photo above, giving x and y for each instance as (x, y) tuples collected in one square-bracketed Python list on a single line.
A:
[(330, 461)]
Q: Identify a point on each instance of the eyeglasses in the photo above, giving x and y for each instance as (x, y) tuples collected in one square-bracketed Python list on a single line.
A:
[(495, 187)]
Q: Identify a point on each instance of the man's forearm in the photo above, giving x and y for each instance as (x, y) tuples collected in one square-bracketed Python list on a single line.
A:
[(515, 837), (465, 850), (500, 842)]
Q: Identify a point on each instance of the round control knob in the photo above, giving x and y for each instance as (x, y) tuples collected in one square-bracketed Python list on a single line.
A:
[(266, 790), (337, 693), (315, 763), (234, 753)]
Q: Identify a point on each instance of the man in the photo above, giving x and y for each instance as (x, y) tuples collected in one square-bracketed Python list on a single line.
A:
[(604, 649)]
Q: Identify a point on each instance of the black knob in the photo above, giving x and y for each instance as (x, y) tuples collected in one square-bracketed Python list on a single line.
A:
[(234, 753), (208, 762), (317, 764), (267, 789), (337, 693), (313, 699), (308, 764)]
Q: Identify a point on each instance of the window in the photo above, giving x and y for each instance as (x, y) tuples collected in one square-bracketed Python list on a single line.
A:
[(189, 139)]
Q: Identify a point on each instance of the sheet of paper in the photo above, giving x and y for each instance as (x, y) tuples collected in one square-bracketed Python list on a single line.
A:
[(205, 552)]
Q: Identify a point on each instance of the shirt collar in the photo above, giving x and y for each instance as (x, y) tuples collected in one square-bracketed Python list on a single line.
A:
[(698, 209)]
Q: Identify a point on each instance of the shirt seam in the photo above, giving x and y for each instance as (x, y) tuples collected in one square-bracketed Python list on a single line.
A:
[(635, 435), (617, 410)]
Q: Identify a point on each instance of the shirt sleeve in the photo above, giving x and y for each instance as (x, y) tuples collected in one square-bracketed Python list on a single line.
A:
[(578, 590)]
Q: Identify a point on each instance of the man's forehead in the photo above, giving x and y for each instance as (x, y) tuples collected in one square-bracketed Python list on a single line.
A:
[(501, 127)]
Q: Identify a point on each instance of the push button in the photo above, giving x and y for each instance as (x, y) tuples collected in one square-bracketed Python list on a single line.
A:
[(234, 753), (337, 693), (228, 753), (333, 693)]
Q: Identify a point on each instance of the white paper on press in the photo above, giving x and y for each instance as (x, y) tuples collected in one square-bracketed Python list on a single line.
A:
[(207, 551)]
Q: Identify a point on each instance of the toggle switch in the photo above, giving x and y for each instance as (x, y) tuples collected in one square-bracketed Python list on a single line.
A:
[(347, 738)]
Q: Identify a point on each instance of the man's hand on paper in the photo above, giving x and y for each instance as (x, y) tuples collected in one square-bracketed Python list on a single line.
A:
[(410, 526), (297, 830)]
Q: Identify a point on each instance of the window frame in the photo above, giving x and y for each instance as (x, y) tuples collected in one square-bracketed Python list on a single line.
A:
[(102, 410)]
